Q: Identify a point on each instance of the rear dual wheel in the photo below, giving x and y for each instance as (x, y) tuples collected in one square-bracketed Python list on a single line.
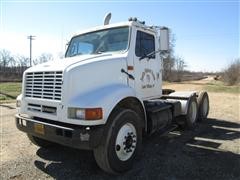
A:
[(192, 112), (121, 143), (198, 109), (203, 105)]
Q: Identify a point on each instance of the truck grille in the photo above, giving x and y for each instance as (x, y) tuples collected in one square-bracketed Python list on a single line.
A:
[(42, 108), (44, 85)]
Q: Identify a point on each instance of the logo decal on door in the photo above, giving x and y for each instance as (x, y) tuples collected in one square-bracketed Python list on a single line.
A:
[(148, 79)]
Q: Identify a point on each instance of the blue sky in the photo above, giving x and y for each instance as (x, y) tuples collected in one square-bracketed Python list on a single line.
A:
[(206, 32)]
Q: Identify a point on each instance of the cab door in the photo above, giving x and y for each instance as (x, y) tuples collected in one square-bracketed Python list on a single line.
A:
[(146, 69)]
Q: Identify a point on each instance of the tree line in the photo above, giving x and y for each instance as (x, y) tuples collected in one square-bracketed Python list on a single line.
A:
[(231, 75), (13, 66), (173, 65)]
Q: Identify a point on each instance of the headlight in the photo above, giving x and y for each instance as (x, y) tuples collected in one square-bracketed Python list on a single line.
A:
[(85, 113), (80, 113)]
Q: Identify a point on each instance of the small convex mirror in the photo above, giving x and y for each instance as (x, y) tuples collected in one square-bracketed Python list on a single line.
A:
[(164, 39)]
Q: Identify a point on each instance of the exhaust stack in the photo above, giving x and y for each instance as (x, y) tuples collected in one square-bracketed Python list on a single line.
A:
[(107, 18)]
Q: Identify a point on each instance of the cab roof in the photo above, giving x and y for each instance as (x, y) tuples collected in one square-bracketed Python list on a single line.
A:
[(120, 24)]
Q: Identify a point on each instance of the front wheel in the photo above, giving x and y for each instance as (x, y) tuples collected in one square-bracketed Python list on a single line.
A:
[(121, 143)]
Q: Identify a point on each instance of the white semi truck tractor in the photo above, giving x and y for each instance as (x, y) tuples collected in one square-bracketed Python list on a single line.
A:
[(106, 94)]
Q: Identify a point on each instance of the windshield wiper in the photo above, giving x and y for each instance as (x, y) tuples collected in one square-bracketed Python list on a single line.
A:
[(99, 52), (151, 54)]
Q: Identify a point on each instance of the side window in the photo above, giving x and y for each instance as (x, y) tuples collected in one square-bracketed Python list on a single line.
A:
[(145, 44)]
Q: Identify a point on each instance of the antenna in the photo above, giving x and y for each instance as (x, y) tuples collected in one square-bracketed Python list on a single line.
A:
[(107, 18)]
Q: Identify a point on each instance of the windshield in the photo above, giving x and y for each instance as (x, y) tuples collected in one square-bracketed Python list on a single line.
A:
[(107, 40)]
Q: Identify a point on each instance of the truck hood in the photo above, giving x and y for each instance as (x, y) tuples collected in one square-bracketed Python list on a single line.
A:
[(61, 64)]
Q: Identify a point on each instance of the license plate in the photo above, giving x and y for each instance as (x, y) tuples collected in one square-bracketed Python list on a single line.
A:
[(39, 128)]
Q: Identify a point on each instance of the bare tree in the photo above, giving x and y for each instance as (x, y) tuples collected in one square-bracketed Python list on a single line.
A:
[(168, 62), (173, 66), (44, 57), (231, 75), (5, 58), (23, 61), (10, 67), (179, 67)]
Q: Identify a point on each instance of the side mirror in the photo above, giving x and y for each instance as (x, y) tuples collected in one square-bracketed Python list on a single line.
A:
[(164, 39)]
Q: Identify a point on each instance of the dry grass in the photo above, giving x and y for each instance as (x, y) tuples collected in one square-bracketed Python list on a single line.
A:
[(9, 91)]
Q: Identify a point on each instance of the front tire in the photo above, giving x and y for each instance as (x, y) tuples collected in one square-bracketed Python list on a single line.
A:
[(121, 143)]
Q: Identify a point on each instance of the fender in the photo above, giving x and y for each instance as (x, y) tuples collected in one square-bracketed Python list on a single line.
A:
[(184, 103), (105, 97)]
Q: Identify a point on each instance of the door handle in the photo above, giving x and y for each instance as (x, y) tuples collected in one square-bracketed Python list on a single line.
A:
[(129, 75)]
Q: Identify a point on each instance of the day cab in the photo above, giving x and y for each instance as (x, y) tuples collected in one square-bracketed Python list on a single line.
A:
[(106, 94)]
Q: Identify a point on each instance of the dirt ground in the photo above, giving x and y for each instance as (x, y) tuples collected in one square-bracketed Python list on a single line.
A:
[(210, 151)]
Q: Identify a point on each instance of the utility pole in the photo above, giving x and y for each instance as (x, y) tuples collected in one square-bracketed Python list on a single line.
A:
[(31, 38)]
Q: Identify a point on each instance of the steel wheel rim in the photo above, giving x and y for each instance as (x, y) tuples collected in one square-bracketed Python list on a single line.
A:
[(205, 107), (193, 112), (126, 142)]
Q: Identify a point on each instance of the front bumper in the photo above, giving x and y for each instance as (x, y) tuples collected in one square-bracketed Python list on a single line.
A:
[(75, 136)]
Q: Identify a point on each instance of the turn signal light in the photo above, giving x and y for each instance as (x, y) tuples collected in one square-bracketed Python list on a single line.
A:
[(93, 114)]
